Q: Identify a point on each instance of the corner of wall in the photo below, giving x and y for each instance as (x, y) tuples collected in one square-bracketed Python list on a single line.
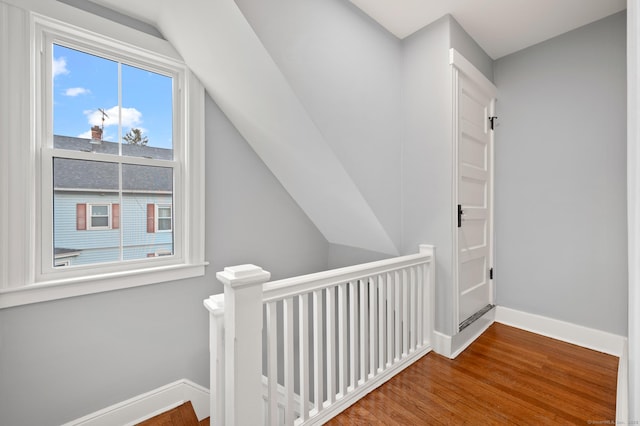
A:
[(470, 49)]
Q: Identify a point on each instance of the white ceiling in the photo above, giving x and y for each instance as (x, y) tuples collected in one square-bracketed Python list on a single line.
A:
[(500, 27)]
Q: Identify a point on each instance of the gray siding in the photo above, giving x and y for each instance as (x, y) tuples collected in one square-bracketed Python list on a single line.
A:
[(103, 245)]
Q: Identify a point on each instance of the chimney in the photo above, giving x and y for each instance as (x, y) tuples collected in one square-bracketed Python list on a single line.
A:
[(96, 135)]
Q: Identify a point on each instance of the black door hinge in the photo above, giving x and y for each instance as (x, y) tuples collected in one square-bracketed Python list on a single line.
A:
[(491, 273), (460, 215), (491, 119)]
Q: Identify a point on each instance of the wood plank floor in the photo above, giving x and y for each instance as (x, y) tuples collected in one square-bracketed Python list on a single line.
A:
[(182, 415), (507, 376)]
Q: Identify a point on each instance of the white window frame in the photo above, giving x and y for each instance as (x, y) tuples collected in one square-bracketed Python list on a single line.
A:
[(34, 278), (90, 215), (157, 217)]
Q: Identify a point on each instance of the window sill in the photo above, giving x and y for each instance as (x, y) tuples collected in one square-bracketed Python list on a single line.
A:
[(61, 289)]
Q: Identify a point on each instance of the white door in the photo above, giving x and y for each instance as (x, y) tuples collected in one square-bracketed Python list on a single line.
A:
[(475, 107)]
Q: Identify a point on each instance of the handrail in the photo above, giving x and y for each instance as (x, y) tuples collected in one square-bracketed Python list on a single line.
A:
[(357, 326), (288, 287)]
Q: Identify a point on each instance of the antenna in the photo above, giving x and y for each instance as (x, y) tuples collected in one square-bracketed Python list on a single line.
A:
[(104, 115)]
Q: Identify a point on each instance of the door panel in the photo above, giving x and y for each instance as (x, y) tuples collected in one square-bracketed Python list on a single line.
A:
[(472, 105), (474, 195), (472, 273), (474, 152), (475, 234), (474, 300), (472, 192)]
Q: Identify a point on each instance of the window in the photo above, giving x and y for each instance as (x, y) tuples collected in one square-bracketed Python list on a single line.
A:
[(116, 125), (100, 216), (103, 105), (163, 218)]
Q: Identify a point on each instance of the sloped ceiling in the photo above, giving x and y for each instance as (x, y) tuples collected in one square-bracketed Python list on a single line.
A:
[(500, 27), (220, 46), (222, 49)]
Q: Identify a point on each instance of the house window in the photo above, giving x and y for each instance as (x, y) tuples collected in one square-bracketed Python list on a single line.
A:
[(117, 123), (100, 216), (163, 218)]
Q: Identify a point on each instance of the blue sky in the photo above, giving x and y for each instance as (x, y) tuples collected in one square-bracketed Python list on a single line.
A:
[(83, 83)]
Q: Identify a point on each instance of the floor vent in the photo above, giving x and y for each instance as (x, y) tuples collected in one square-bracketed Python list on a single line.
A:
[(466, 323)]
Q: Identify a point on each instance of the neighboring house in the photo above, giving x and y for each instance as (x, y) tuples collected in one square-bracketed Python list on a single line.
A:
[(92, 215)]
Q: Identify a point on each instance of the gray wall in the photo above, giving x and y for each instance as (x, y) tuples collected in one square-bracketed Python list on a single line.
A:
[(560, 178), (427, 167), (253, 219), (346, 72), (427, 154), (63, 359), (340, 256), (463, 43)]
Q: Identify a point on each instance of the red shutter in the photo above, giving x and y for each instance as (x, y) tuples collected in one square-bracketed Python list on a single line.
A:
[(151, 218), (115, 216), (81, 217)]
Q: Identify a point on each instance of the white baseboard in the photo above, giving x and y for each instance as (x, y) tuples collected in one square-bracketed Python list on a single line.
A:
[(149, 404), (590, 338), (441, 344), (452, 346), (622, 396)]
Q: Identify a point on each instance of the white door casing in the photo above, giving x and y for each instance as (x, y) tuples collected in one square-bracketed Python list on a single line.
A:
[(473, 106)]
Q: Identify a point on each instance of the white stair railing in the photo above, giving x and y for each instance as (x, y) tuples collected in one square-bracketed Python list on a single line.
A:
[(329, 338)]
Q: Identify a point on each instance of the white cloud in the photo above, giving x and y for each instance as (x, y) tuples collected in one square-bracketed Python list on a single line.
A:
[(85, 135), (131, 117), (59, 67), (75, 91)]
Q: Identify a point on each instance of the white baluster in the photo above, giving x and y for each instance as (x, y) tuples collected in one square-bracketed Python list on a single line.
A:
[(272, 364), (373, 323), (363, 303), (353, 337), (342, 338), (421, 306), (413, 309), (318, 358), (405, 312), (397, 286), (303, 320), (391, 317), (289, 408), (383, 302), (331, 343)]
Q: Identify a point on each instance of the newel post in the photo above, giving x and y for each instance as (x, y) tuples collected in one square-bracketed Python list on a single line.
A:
[(431, 290), (243, 343)]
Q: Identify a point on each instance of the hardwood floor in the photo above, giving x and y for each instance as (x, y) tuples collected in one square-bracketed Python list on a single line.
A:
[(183, 415), (507, 376)]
